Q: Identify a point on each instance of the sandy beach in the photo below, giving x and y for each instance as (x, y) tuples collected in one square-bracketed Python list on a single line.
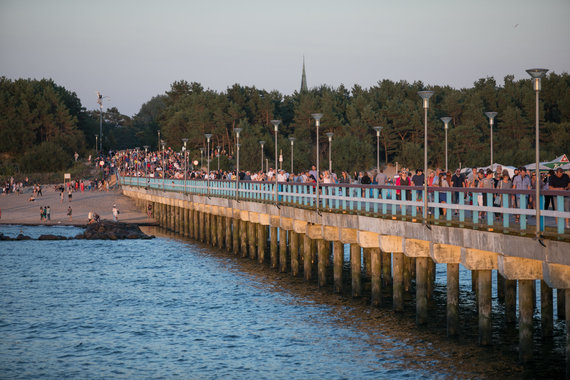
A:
[(17, 209)]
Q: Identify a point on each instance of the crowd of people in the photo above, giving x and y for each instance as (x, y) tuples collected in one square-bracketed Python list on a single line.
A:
[(170, 165)]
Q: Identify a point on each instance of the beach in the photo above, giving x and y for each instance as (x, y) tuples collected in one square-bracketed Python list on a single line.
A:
[(17, 209)]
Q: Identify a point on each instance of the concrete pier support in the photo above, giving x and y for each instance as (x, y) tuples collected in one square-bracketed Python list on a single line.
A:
[(323, 252), (228, 234), (355, 267), (185, 221), (421, 290), (283, 262), (484, 285), (213, 229), (273, 247), (525, 320), (261, 242), (510, 301), (307, 258), (386, 269), (251, 238), (430, 278), (235, 235), (243, 237), (407, 273), (398, 281), (220, 238), (452, 299), (546, 309), (338, 262), (294, 247), (196, 226), (376, 276)]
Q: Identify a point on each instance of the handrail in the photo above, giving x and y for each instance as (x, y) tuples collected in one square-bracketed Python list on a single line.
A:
[(475, 207)]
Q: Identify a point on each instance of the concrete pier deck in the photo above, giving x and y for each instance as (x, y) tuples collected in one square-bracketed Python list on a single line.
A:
[(16, 209)]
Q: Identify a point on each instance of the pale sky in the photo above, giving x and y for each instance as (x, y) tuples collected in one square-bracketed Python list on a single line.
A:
[(133, 50)]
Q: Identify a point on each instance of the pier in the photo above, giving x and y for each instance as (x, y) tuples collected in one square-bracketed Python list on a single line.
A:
[(295, 232)]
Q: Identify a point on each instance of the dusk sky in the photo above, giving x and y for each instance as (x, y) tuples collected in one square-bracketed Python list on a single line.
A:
[(133, 50)]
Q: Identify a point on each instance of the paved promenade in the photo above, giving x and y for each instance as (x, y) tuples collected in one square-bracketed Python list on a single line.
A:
[(16, 209)]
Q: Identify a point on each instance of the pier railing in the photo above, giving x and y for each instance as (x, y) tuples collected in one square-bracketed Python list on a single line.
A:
[(477, 208)]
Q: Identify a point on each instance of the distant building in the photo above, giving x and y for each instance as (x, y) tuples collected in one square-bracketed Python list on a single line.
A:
[(304, 87)]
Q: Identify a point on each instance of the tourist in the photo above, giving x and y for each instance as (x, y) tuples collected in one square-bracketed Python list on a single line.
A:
[(48, 213), (69, 195), (69, 212), (115, 213), (561, 181)]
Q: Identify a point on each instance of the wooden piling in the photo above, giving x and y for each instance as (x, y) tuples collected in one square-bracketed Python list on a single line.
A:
[(421, 290), (452, 299), (484, 285), (355, 267), (398, 281), (338, 262), (376, 274)]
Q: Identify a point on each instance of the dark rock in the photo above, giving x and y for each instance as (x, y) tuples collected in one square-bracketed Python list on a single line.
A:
[(4, 237), (23, 237), (51, 237), (107, 230)]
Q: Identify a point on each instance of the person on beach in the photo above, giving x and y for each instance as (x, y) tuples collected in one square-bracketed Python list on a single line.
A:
[(48, 213), (61, 196), (115, 213), (41, 214), (69, 212), (69, 195)]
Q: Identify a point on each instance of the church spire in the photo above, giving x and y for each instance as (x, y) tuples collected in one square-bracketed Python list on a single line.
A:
[(304, 79)]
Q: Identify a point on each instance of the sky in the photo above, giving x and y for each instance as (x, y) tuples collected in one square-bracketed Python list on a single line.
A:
[(132, 50)]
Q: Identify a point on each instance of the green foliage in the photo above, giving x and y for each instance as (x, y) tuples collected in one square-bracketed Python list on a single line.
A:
[(46, 157)]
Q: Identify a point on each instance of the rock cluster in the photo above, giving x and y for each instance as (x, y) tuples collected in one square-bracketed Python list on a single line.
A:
[(107, 230), (104, 230)]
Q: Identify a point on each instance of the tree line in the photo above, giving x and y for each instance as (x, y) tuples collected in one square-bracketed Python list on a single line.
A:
[(38, 116)]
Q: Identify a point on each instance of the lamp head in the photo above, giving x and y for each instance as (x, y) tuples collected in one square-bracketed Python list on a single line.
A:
[(317, 117), (330, 135), (238, 130), (208, 136), (275, 124), (377, 129), (446, 121), (425, 95), (292, 139), (536, 75), (262, 142), (491, 116)]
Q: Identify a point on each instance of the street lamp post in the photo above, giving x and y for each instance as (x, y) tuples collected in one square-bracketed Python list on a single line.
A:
[(145, 165), (208, 137), (96, 142), (100, 102), (425, 95), (163, 166), (330, 135), (317, 117), (159, 140), (446, 121), (185, 140), (491, 116), (537, 75), (377, 129), (238, 130), (262, 143), (201, 158), (275, 128), (218, 148), (292, 139)]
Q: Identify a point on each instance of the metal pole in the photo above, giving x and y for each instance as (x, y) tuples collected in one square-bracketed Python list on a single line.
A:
[(292, 139), (261, 143), (425, 165), (218, 158), (208, 136), (445, 150), (238, 130), (275, 126), (101, 127), (491, 144)]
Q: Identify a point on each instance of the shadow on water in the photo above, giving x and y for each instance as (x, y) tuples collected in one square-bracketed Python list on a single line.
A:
[(427, 347)]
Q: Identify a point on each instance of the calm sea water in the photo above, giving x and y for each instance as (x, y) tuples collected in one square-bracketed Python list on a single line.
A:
[(170, 308)]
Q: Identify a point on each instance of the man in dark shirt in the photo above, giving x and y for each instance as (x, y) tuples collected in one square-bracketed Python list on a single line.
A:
[(561, 181), (457, 180)]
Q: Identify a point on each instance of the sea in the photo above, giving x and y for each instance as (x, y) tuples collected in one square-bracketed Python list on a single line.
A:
[(171, 307)]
